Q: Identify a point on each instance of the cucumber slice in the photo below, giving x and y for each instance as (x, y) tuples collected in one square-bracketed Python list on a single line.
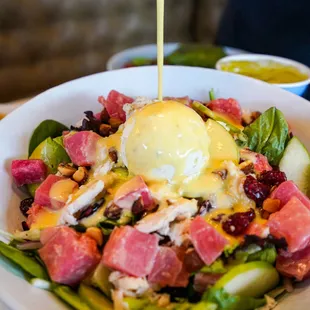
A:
[(94, 299), (250, 279), (296, 164)]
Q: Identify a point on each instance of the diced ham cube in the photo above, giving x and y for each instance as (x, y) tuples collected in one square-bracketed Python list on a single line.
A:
[(130, 251), (182, 278), (81, 147), (256, 229), (288, 189), (69, 256), (166, 268), (114, 104), (259, 161), (230, 108), (131, 191), (208, 243), (28, 171), (60, 192), (292, 222), (295, 265), (42, 194)]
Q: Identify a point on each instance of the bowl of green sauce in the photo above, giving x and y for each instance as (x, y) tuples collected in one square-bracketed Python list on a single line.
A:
[(282, 72)]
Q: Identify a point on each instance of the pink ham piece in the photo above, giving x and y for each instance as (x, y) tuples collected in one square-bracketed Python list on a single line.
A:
[(292, 222), (230, 108), (259, 230), (166, 268), (68, 256), (114, 104), (259, 161), (130, 251), (296, 265), (208, 243), (42, 196), (288, 189), (182, 278), (131, 191), (28, 171), (81, 147)]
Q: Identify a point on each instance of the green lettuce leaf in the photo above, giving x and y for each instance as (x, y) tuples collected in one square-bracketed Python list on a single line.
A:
[(226, 301), (216, 267), (268, 255)]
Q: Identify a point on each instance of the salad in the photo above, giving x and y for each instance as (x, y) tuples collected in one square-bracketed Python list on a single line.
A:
[(195, 55), (152, 205)]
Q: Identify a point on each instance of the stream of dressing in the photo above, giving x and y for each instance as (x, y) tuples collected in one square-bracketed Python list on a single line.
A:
[(160, 46)]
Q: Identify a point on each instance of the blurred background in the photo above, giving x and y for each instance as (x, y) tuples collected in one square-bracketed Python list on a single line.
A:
[(46, 42)]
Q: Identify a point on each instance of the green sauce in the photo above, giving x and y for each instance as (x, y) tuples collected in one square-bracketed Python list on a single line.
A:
[(268, 71)]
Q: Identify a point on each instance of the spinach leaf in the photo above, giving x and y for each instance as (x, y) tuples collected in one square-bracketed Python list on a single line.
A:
[(27, 263), (53, 154), (277, 141), (227, 301), (260, 130), (268, 135), (48, 128)]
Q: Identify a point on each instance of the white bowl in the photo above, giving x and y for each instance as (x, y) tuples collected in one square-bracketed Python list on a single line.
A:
[(66, 104), (298, 88), (119, 60)]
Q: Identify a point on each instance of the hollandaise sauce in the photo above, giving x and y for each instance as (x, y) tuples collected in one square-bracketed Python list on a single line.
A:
[(269, 71), (160, 46)]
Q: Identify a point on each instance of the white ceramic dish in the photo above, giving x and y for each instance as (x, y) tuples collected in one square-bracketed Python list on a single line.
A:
[(66, 104), (298, 88), (117, 61)]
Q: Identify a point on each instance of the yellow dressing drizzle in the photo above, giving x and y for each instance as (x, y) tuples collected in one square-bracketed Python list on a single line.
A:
[(46, 218), (160, 46)]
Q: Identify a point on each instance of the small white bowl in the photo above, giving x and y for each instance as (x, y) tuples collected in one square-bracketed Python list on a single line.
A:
[(298, 88), (119, 60)]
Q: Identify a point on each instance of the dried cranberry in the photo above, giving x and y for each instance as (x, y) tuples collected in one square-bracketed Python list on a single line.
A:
[(113, 212), (89, 210), (138, 207), (255, 190), (272, 177), (25, 226), (25, 205), (237, 223)]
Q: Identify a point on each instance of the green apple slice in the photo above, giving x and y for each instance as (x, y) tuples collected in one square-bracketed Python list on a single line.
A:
[(251, 279), (296, 164), (222, 145)]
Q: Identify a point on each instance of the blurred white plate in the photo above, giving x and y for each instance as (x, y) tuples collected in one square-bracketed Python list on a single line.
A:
[(66, 104), (118, 61)]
